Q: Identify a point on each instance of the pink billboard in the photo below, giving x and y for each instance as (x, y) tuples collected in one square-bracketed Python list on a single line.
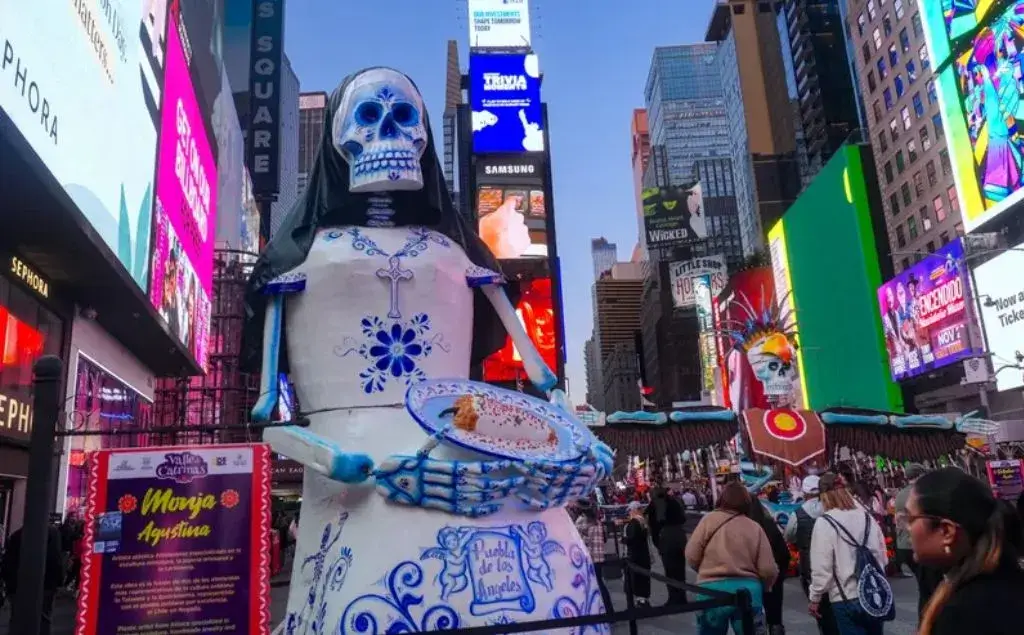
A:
[(186, 197)]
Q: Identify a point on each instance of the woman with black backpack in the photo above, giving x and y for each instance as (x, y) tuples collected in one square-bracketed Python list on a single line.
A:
[(848, 560)]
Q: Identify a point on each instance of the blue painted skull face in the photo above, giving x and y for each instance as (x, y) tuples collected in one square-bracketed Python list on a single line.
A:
[(380, 130)]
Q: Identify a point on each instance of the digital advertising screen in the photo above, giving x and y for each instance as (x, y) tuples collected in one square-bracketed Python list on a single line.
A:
[(20, 346), (504, 96), (513, 220), (499, 24), (947, 22), (782, 281), (536, 310), (88, 108), (980, 93), (742, 389), (674, 215), (185, 211), (925, 314), (1001, 288)]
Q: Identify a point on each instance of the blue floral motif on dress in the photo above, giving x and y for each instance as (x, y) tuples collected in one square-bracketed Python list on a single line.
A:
[(394, 349), (583, 581), (311, 618), (398, 608), (502, 620)]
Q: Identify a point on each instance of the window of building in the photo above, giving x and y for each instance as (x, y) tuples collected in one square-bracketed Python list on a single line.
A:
[(940, 210), (883, 70), (861, 22), (931, 246), (926, 220), (918, 105), (894, 130), (918, 184), (900, 163), (912, 227), (883, 143), (739, 9), (898, 83), (930, 89), (911, 71), (905, 115), (887, 25), (876, 35), (929, 170), (894, 204), (872, 84), (887, 98), (894, 55), (888, 173), (897, 6), (954, 202), (915, 24), (944, 162), (865, 51), (905, 192), (905, 264), (901, 240), (937, 122), (922, 53), (877, 110), (926, 139), (872, 13), (904, 41), (944, 237), (959, 229)]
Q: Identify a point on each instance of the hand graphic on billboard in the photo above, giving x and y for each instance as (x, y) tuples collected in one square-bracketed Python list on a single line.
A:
[(533, 137), (504, 230)]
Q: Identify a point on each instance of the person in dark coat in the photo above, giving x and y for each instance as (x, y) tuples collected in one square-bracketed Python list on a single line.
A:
[(638, 552), (799, 531), (958, 526), (772, 599), (54, 574), (665, 517)]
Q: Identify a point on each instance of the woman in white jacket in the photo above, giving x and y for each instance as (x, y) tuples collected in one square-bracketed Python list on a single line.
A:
[(834, 559)]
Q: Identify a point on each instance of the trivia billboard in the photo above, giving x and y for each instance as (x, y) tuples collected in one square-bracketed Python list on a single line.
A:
[(925, 314), (181, 266), (504, 97)]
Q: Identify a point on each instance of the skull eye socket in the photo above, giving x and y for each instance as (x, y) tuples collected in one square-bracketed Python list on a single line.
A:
[(773, 365), (405, 114), (368, 113)]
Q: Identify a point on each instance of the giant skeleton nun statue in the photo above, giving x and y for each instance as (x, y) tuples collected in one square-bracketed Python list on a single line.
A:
[(429, 501)]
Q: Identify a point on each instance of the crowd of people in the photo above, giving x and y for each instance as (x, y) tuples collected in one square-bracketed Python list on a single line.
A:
[(961, 544)]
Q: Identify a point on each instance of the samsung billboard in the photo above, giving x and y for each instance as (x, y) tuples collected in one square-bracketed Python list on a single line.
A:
[(504, 95)]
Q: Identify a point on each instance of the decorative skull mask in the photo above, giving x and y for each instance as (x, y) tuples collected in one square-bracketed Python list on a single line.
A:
[(380, 131), (773, 361)]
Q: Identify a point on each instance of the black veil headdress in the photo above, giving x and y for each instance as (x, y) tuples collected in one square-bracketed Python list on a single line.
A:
[(327, 202)]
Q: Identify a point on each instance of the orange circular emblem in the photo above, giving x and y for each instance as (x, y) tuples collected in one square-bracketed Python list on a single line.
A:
[(785, 424)]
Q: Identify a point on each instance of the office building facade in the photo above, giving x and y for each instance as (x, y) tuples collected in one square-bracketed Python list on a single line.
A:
[(754, 62), (452, 99), (640, 156), (922, 211), (288, 193), (604, 255), (312, 113)]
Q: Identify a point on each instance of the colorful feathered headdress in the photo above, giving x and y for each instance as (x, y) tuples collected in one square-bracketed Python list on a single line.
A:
[(769, 324)]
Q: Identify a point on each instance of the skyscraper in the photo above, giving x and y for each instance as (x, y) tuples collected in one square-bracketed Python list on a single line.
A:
[(906, 134), (312, 111), (452, 99), (752, 75), (289, 157), (685, 108), (640, 156), (604, 255), (814, 45)]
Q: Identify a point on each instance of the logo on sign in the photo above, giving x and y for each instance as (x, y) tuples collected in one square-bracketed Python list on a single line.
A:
[(264, 87), (501, 170), (497, 81), (182, 467)]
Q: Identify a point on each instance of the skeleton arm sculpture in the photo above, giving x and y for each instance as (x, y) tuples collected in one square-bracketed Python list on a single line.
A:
[(312, 450)]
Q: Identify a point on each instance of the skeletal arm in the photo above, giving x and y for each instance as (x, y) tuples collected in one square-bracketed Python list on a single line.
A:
[(318, 454), (264, 408)]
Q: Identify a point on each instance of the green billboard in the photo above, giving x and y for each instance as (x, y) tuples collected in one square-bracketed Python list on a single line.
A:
[(825, 249)]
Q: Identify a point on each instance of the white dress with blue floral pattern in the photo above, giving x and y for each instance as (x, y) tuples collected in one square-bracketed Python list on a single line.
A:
[(383, 309)]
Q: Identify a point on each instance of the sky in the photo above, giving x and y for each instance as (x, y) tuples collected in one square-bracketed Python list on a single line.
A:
[(595, 55)]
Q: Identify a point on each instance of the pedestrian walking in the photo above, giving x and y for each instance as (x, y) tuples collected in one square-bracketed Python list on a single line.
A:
[(731, 552), (592, 532), (638, 552), (666, 518), (799, 531), (848, 560), (53, 576), (773, 597)]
